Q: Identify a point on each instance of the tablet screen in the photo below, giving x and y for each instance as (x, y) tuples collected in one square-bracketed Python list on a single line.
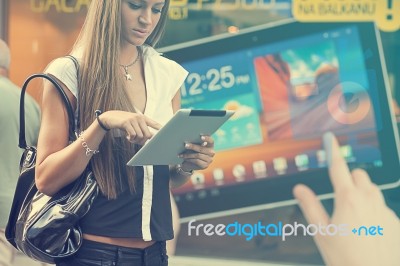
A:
[(286, 93)]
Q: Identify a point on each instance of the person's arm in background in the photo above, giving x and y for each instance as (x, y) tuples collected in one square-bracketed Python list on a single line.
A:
[(358, 202)]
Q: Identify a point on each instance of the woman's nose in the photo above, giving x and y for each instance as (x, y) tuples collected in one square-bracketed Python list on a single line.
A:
[(145, 17)]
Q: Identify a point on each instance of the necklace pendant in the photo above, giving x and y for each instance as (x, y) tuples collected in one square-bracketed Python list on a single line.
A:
[(128, 76)]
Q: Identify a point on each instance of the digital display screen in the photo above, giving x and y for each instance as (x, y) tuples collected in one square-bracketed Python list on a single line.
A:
[(288, 84), (286, 95)]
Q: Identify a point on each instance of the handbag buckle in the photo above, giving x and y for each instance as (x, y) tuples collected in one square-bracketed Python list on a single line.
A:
[(28, 159)]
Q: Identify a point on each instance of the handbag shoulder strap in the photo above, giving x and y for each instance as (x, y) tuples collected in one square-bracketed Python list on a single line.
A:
[(76, 63), (22, 141)]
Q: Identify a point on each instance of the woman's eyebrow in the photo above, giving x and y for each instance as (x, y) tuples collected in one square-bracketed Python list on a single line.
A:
[(158, 3)]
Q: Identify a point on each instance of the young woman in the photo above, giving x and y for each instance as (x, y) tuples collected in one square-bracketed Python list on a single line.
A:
[(137, 90)]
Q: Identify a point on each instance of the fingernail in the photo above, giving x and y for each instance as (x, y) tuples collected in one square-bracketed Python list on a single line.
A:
[(204, 144), (203, 138), (180, 155), (327, 141), (187, 145)]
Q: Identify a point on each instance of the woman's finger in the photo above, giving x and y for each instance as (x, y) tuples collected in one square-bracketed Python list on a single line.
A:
[(208, 141), (200, 149), (151, 123), (145, 129), (138, 130), (197, 162), (194, 156)]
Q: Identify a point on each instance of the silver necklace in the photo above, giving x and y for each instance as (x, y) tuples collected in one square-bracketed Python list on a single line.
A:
[(127, 75)]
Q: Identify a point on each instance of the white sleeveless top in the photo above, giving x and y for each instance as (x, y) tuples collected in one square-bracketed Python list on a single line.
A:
[(163, 79)]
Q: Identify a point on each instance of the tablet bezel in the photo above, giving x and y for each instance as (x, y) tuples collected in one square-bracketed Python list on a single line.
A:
[(274, 192)]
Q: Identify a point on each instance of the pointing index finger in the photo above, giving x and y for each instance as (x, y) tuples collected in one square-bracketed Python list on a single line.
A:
[(338, 170), (153, 124)]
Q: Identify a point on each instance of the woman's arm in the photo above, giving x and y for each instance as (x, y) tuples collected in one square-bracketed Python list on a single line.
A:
[(58, 163)]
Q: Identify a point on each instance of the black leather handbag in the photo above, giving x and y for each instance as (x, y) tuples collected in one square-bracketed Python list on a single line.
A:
[(42, 227)]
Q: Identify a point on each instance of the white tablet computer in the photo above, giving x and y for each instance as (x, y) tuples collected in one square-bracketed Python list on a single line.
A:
[(185, 126)]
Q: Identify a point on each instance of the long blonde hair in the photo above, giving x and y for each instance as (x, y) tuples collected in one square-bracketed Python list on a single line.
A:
[(101, 86)]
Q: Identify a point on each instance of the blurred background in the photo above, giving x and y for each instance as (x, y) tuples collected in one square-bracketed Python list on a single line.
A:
[(42, 30)]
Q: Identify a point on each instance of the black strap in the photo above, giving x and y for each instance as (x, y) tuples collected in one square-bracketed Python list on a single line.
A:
[(22, 140), (75, 63)]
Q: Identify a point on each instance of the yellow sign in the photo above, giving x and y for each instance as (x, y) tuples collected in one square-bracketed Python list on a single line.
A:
[(64, 6), (178, 9), (386, 13)]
